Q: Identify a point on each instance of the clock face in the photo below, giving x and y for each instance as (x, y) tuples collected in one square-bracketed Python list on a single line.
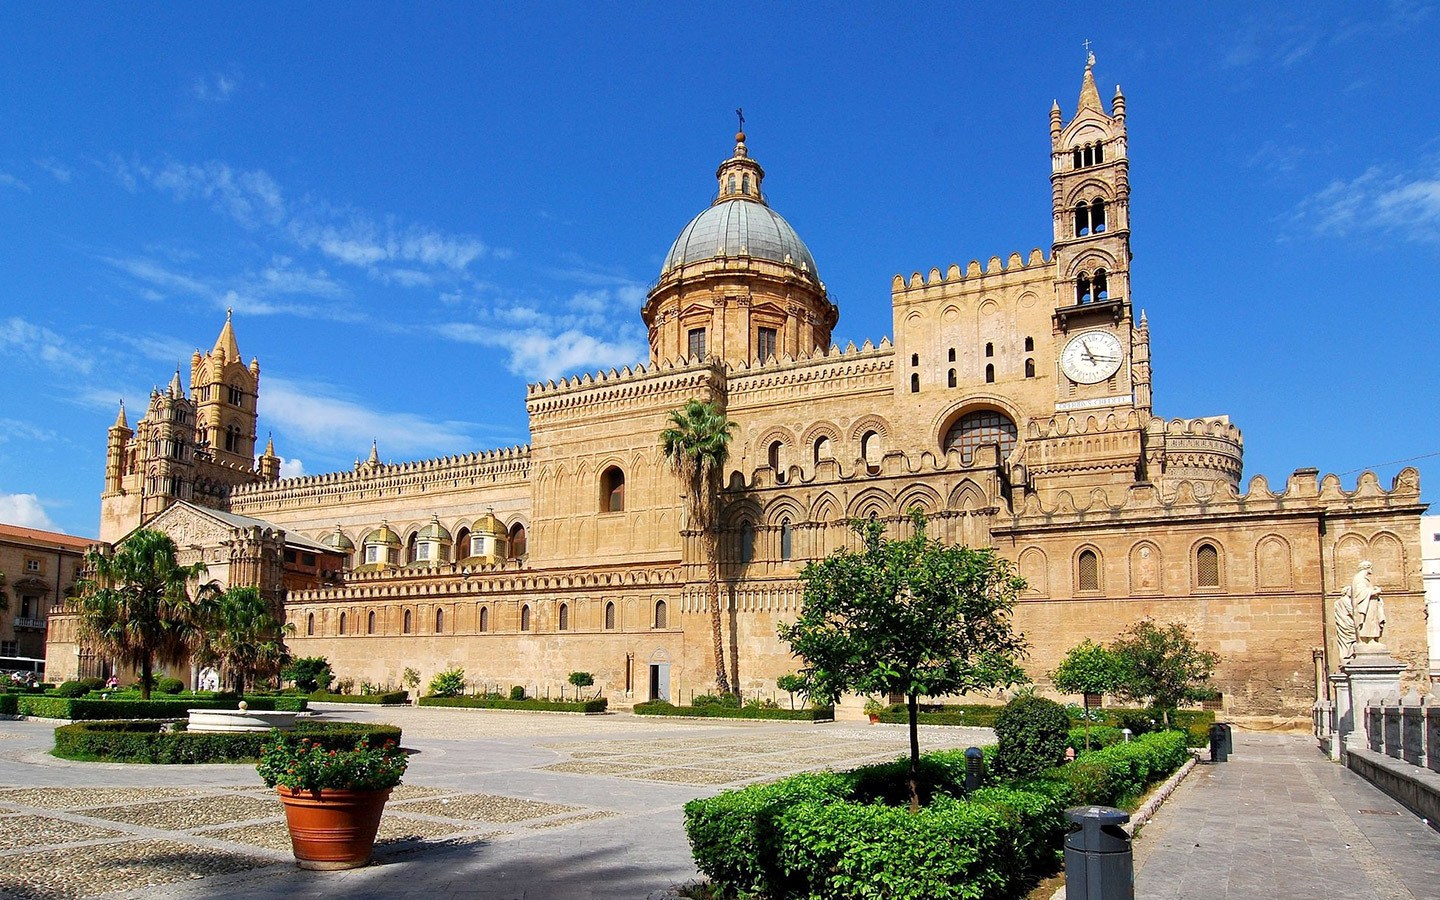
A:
[(1091, 357)]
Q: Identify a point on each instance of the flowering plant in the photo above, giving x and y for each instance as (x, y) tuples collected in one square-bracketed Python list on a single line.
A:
[(304, 765)]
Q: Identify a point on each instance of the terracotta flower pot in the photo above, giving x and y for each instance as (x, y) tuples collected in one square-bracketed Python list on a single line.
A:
[(333, 829), (874, 718)]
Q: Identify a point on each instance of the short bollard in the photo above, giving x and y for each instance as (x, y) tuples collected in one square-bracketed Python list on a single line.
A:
[(1099, 863), (1219, 745), (974, 769)]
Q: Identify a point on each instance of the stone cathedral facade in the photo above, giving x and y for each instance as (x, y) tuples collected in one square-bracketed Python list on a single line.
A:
[(1013, 406)]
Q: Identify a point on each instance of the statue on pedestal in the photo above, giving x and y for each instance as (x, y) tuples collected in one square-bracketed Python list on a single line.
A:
[(1368, 605), (1345, 624)]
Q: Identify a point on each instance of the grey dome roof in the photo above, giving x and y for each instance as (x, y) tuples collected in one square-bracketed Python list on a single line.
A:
[(740, 227)]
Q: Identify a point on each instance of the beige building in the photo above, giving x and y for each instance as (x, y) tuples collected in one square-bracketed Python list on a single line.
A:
[(40, 569), (1013, 406)]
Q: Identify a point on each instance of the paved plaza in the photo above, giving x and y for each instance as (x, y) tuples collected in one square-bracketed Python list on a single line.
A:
[(552, 807)]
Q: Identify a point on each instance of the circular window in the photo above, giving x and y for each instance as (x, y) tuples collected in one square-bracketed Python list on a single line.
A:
[(975, 429)]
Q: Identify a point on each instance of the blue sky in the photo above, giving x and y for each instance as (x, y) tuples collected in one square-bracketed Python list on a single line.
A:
[(414, 210)]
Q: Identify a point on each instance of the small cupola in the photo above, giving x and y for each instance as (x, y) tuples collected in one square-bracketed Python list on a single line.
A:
[(740, 176), (432, 544), (489, 540)]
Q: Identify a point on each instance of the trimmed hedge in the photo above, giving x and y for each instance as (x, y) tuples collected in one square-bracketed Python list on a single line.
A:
[(95, 709), (9, 704), (662, 708), (977, 715), (391, 697), (145, 742), (823, 835), (1195, 722), (598, 705)]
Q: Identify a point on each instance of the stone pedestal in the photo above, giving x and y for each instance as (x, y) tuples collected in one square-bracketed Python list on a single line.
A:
[(1344, 714), (1372, 675)]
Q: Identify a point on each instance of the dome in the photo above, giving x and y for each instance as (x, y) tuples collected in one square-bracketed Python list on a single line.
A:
[(434, 532), (489, 524), (383, 536), (338, 540), (739, 227)]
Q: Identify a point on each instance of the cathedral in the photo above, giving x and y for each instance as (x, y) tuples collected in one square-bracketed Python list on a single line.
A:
[(1013, 406)]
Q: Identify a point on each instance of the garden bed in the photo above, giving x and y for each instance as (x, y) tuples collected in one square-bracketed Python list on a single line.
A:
[(849, 835), (589, 707), (93, 708), (149, 742), (716, 711), (1194, 722), (388, 698)]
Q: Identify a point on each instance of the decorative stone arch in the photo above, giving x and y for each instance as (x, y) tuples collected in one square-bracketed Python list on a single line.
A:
[(1387, 555), (817, 432), (1087, 567), (1274, 564), (1035, 569), (1350, 550), (871, 501), (1092, 259), (825, 509), (771, 435), (1147, 569), (870, 422), (987, 309), (1202, 576), (918, 495), (941, 423), (1088, 190), (967, 496), (782, 508)]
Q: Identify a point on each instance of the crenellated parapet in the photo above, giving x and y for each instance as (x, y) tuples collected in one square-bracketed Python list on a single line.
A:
[(504, 466), (839, 369), (1196, 449), (1014, 264), (658, 383), (502, 580)]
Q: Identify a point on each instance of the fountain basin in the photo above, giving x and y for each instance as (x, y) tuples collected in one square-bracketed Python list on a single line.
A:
[(232, 720)]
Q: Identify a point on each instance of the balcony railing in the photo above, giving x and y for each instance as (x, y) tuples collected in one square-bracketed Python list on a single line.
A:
[(24, 622)]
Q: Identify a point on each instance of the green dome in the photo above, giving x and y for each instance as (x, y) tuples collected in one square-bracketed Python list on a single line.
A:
[(383, 535)]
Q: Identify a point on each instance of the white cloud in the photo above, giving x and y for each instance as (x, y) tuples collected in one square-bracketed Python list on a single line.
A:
[(8, 180), (56, 169), (250, 198), (25, 431), (1407, 205), (40, 343), (362, 242), (313, 415), (215, 88), (291, 468), (537, 355), (25, 510)]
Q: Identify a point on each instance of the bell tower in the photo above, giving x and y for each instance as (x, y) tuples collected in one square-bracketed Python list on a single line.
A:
[(225, 392), (1090, 181)]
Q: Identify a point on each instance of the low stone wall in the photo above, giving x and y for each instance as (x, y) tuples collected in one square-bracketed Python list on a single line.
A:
[(1401, 753), (1415, 788)]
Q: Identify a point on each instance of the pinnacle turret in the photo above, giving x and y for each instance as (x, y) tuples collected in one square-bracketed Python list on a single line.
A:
[(1089, 94), (120, 420), (226, 343)]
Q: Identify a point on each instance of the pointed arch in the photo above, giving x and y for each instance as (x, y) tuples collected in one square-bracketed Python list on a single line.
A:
[(1089, 573), (871, 501), (825, 509), (783, 507), (1274, 564), (967, 496), (918, 495), (1035, 569), (1146, 569), (1387, 556)]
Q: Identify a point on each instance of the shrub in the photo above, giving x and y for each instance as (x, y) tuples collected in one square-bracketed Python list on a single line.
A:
[(1100, 736), (662, 708), (1031, 734), (299, 764), (9, 704), (71, 689), (389, 698), (1139, 722), (310, 673), (976, 715), (731, 701), (130, 707), (598, 705), (93, 684), (344, 685), (166, 685), (450, 683), (517, 692), (145, 742)]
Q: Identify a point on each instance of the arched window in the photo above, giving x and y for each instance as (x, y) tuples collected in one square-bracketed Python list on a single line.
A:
[(410, 549), (517, 541), (914, 359), (1082, 220), (787, 540), (661, 615), (1029, 368), (310, 624), (462, 544), (952, 354), (776, 457), (342, 623), (612, 490), (370, 622), (989, 350), (1076, 161), (232, 438), (871, 449), (730, 185), (439, 621), (405, 628), (982, 426), (1097, 216), (609, 615), (484, 618), (564, 617), (1082, 288), (1089, 155), (1029, 344), (1099, 153), (1102, 290), (1087, 571), (822, 449), (747, 542), (950, 378), (915, 384), (1207, 566), (525, 617), (990, 374), (745, 185)]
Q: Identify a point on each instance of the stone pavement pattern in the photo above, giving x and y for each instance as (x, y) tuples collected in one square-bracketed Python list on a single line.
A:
[(1280, 820), (495, 805)]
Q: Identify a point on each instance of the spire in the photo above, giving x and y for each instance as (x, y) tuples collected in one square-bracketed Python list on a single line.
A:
[(1089, 94), (120, 421), (740, 176), (226, 341), (373, 461), (177, 391), (270, 445), (1118, 105)]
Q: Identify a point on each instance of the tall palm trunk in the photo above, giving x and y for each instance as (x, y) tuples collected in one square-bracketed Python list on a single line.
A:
[(712, 572)]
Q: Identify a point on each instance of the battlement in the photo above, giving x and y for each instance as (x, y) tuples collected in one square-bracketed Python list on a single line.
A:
[(895, 463), (819, 365), (1304, 492), (504, 579), (1014, 263), (505, 464)]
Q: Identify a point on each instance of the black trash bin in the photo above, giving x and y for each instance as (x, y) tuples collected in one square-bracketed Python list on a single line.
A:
[(1219, 743), (1099, 862), (1229, 739)]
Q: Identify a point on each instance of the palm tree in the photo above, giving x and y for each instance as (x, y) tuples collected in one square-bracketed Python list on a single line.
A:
[(245, 636), (136, 604), (697, 443)]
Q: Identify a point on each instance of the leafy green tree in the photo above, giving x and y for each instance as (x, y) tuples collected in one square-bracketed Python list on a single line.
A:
[(1087, 668), (697, 443), (450, 683), (791, 684), (245, 636), (136, 604), (581, 680), (309, 673), (1163, 665), (911, 617)]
